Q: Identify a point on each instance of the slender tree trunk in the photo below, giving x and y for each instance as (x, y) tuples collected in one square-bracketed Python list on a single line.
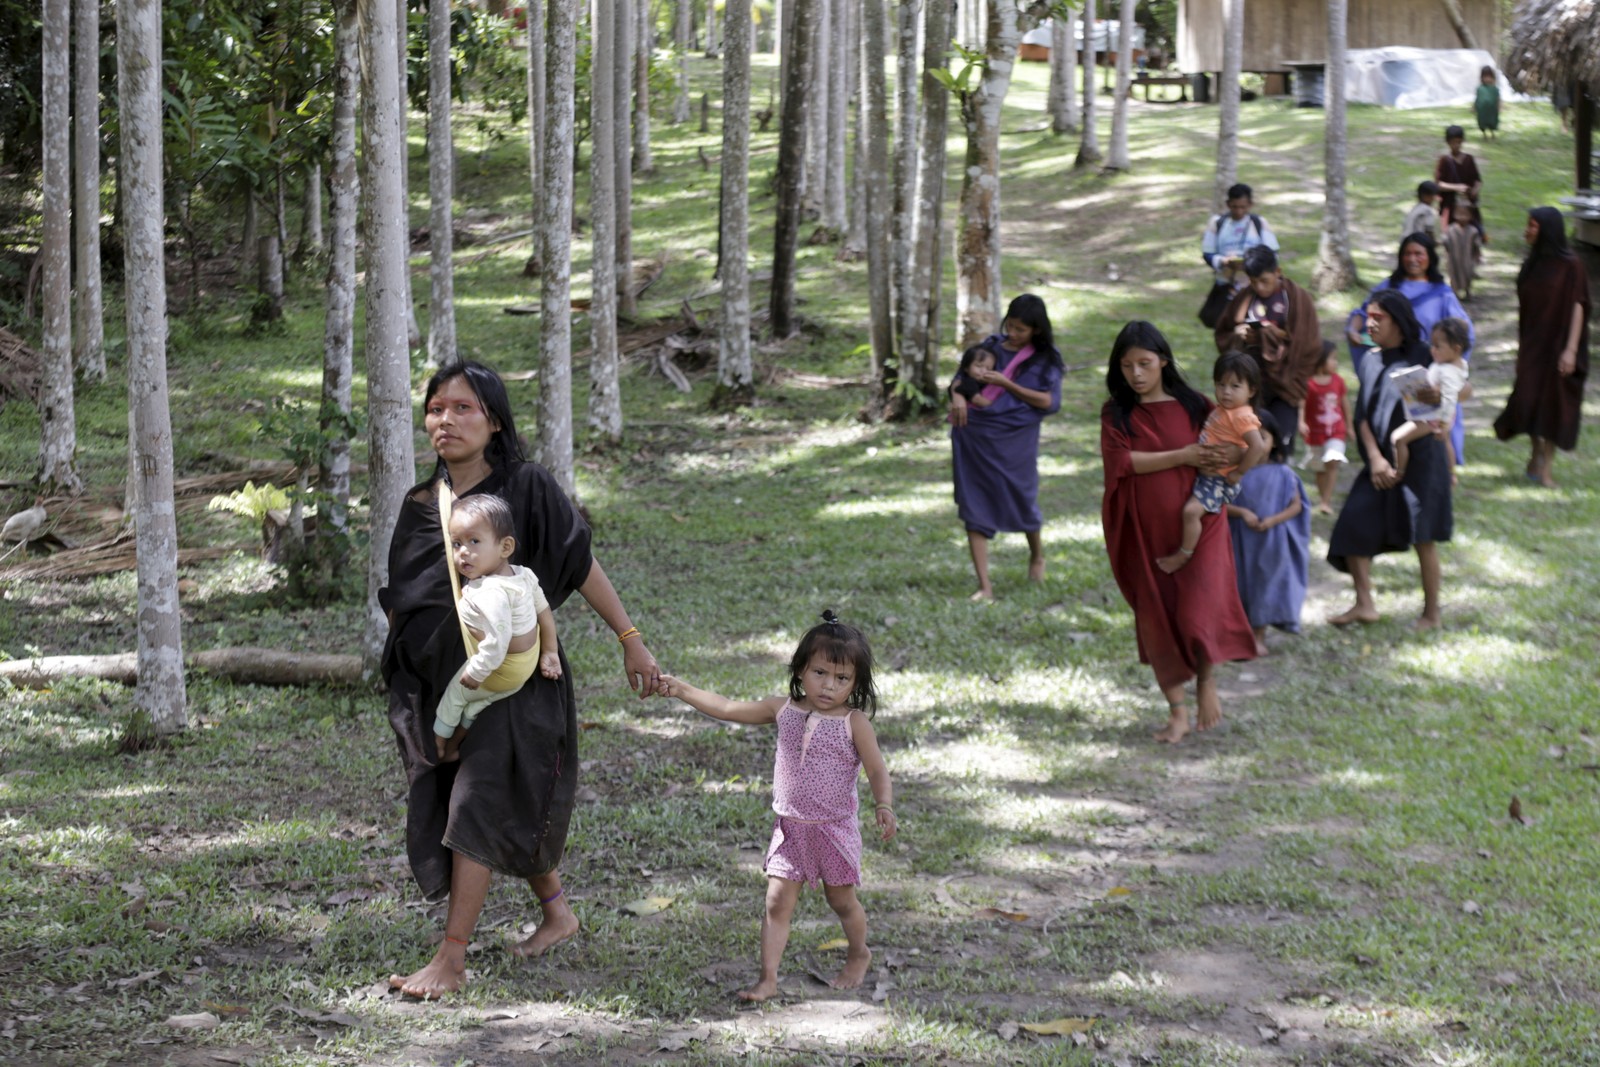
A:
[(160, 692), (643, 46), (735, 381), (626, 24), (269, 276), (814, 179), (978, 244), (834, 215), (338, 335), (1119, 109), (919, 350), (605, 402), (441, 191), (89, 336), (534, 13), (711, 30), (1228, 101), (402, 43), (854, 245), (312, 237), (1089, 144), (682, 15), (791, 160), (554, 448), (58, 435), (1336, 269), (248, 251), (903, 216), (880, 292), (1063, 67), (1458, 22), (391, 460)]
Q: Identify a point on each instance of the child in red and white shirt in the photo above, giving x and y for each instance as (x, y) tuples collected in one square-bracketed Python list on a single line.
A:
[(1324, 422)]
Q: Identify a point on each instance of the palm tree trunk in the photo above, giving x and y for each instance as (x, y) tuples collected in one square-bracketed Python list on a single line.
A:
[(735, 381), (441, 191), (879, 290), (554, 447), (58, 434), (1119, 110), (1089, 144), (1228, 101), (338, 333), (791, 161), (1336, 269), (1063, 69), (605, 403), (919, 342), (978, 240), (90, 337)]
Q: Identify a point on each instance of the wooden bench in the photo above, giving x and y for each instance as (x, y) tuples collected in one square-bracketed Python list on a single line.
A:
[(1147, 80)]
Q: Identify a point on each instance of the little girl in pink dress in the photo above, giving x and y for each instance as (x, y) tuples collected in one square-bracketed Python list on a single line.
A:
[(825, 738)]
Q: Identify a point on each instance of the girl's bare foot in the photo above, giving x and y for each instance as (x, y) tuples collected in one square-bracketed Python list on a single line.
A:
[(1261, 648), (1208, 705), (1324, 508), (854, 971), (765, 989), (446, 973), (557, 927), (1426, 622), (1036, 570), (1177, 725), (1365, 616), (982, 596)]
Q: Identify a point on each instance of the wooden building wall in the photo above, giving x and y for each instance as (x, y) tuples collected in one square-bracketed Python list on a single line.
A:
[(1276, 31)]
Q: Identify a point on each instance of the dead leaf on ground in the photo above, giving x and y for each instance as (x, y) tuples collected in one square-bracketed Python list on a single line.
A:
[(200, 1021), (1471, 907), (648, 906), (679, 1040), (1069, 1025), (1515, 811), (1007, 1030), (1556, 752), (1453, 1026), (225, 1009), (136, 981), (1268, 1034), (1118, 891), (880, 992), (834, 945), (996, 913), (1506, 979), (349, 896)]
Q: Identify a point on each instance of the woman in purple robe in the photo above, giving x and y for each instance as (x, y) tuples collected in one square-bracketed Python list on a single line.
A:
[(995, 448)]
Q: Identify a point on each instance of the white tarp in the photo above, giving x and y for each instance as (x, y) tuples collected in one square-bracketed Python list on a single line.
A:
[(1404, 77), (1106, 34)]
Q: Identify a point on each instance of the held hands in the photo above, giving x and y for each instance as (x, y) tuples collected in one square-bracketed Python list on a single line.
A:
[(887, 825), (668, 686), (550, 664), (640, 667)]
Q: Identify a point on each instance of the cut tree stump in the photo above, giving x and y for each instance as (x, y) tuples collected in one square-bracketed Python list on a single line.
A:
[(250, 666)]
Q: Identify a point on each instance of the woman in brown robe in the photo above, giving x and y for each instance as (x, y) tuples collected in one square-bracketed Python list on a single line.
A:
[(1275, 321), (1552, 346), (505, 805)]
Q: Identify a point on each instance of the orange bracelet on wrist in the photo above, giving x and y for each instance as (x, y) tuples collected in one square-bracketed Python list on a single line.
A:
[(632, 631)]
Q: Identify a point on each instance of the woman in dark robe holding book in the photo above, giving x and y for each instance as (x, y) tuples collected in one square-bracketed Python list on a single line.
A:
[(505, 804), (1188, 621), (1552, 346), (1389, 509)]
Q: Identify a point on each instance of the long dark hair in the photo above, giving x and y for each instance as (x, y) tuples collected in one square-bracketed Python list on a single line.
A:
[(1141, 334), (1397, 306), (1030, 311), (1427, 243), (1551, 242), (836, 642), (504, 448)]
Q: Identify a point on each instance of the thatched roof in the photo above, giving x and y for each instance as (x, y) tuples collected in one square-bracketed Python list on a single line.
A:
[(1554, 42)]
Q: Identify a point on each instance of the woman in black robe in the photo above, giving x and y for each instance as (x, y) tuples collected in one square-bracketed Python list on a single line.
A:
[(1546, 400), (505, 805), (1390, 509)]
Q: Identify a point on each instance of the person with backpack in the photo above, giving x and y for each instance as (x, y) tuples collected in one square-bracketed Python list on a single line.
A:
[(1226, 239)]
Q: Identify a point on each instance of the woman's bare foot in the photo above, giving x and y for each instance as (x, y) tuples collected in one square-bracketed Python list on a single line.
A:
[(1426, 622), (765, 989), (1365, 616), (1324, 508), (1208, 705), (1261, 648), (1172, 564), (1177, 725), (1036, 570), (854, 971), (446, 973), (559, 925), (982, 596)]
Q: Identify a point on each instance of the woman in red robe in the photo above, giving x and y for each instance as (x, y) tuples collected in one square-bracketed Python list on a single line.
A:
[(1546, 400), (1149, 439)]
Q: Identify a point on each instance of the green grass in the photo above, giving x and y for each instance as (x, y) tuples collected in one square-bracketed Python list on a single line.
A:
[(1311, 864)]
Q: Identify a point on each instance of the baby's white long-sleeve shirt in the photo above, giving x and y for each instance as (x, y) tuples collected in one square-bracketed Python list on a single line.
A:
[(501, 606)]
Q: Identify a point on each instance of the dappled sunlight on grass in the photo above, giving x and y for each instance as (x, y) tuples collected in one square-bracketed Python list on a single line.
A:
[(1466, 659)]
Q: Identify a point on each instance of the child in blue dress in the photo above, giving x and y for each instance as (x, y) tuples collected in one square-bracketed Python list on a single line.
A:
[(1270, 521)]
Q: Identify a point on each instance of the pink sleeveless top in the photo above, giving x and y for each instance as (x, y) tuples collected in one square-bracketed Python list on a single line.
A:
[(815, 777)]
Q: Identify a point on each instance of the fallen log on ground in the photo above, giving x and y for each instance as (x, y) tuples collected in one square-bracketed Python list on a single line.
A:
[(249, 666)]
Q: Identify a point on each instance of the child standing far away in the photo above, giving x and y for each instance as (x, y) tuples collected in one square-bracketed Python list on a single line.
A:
[(1463, 247), (1232, 422), (1456, 174), (1487, 103), (504, 613), (977, 358), (1422, 218), (825, 738), (1447, 374), (1270, 521), (1325, 424)]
